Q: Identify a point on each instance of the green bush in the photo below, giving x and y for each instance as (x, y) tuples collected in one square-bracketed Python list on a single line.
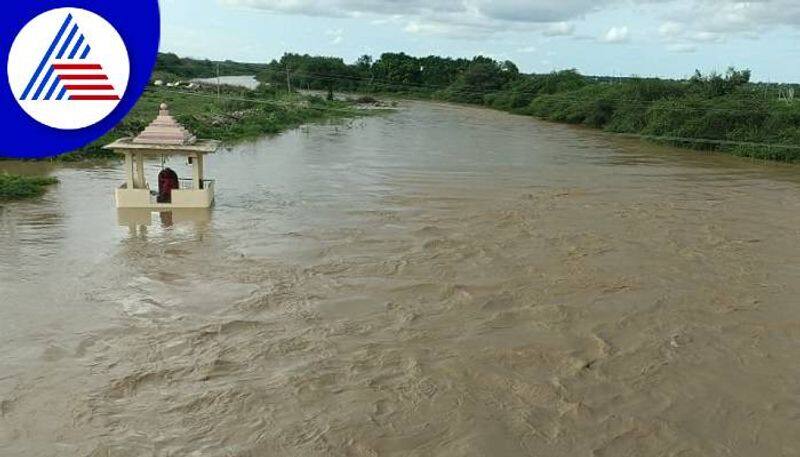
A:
[(15, 187)]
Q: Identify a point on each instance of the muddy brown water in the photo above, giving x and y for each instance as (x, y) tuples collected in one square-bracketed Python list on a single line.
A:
[(248, 82), (441, 281)]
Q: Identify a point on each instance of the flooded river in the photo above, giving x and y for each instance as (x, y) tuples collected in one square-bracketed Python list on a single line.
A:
[(248, 82), (440, 281)]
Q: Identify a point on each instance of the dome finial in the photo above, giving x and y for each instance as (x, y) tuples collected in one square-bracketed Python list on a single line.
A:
[(165, 130)]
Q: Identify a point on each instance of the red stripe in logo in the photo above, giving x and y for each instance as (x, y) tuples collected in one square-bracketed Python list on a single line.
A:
[(89, 87), (82, 77), (93, 97), (77, 66)]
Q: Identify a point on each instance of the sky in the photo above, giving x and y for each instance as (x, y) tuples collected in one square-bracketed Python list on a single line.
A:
[(665, 38)]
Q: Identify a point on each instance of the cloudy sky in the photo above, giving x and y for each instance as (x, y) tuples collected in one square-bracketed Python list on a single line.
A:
[(608, 37)]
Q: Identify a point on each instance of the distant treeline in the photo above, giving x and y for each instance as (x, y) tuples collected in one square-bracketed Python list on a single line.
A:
[(714, 111)]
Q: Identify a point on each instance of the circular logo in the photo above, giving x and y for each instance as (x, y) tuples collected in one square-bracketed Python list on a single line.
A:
[(74, 70), (68, 68)]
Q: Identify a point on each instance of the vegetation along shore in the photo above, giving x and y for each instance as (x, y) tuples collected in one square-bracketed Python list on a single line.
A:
[(15, 187), (227, 113), (722, 112)]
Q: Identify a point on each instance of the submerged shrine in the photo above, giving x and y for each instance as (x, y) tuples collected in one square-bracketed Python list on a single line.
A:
[(162, 138)]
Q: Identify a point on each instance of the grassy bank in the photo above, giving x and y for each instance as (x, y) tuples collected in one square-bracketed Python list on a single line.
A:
[(15, 187), (230, 114), (722, 112)]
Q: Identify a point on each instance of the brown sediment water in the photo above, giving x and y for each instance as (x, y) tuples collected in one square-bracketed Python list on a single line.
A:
[(441, 281)]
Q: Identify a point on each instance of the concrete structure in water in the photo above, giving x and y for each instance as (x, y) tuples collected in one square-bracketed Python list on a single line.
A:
[(164, 137)]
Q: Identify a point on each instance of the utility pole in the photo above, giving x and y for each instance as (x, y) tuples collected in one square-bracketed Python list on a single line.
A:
[(288, 80), (219, 84)]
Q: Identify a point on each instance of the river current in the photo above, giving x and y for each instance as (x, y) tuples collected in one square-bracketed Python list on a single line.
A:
[(439, 281)]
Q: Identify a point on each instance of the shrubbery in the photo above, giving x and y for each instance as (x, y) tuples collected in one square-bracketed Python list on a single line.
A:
[(14, 187), (228, 114)]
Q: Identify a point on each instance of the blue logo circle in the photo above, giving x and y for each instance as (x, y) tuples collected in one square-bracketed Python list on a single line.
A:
[(74, 70)]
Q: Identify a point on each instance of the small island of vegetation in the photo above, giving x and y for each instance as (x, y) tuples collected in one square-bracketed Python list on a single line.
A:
[(15, 187)]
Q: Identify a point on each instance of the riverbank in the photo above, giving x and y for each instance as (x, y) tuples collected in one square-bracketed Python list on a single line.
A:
[(714, 113), (718, 112), (229, 114), (735, 121), (15, 187)]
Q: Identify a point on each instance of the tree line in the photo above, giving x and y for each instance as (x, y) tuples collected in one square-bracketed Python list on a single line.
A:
[(722, 111)]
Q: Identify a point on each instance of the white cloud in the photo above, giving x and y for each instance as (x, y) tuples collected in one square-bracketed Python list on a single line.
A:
[(734, 17), (535, 11), (559, 29), (451, 28), (684, 48), (670, 30), (527, 50), (473, 19), (336, 36), (683, 20), (707, 37), (616, 35)]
